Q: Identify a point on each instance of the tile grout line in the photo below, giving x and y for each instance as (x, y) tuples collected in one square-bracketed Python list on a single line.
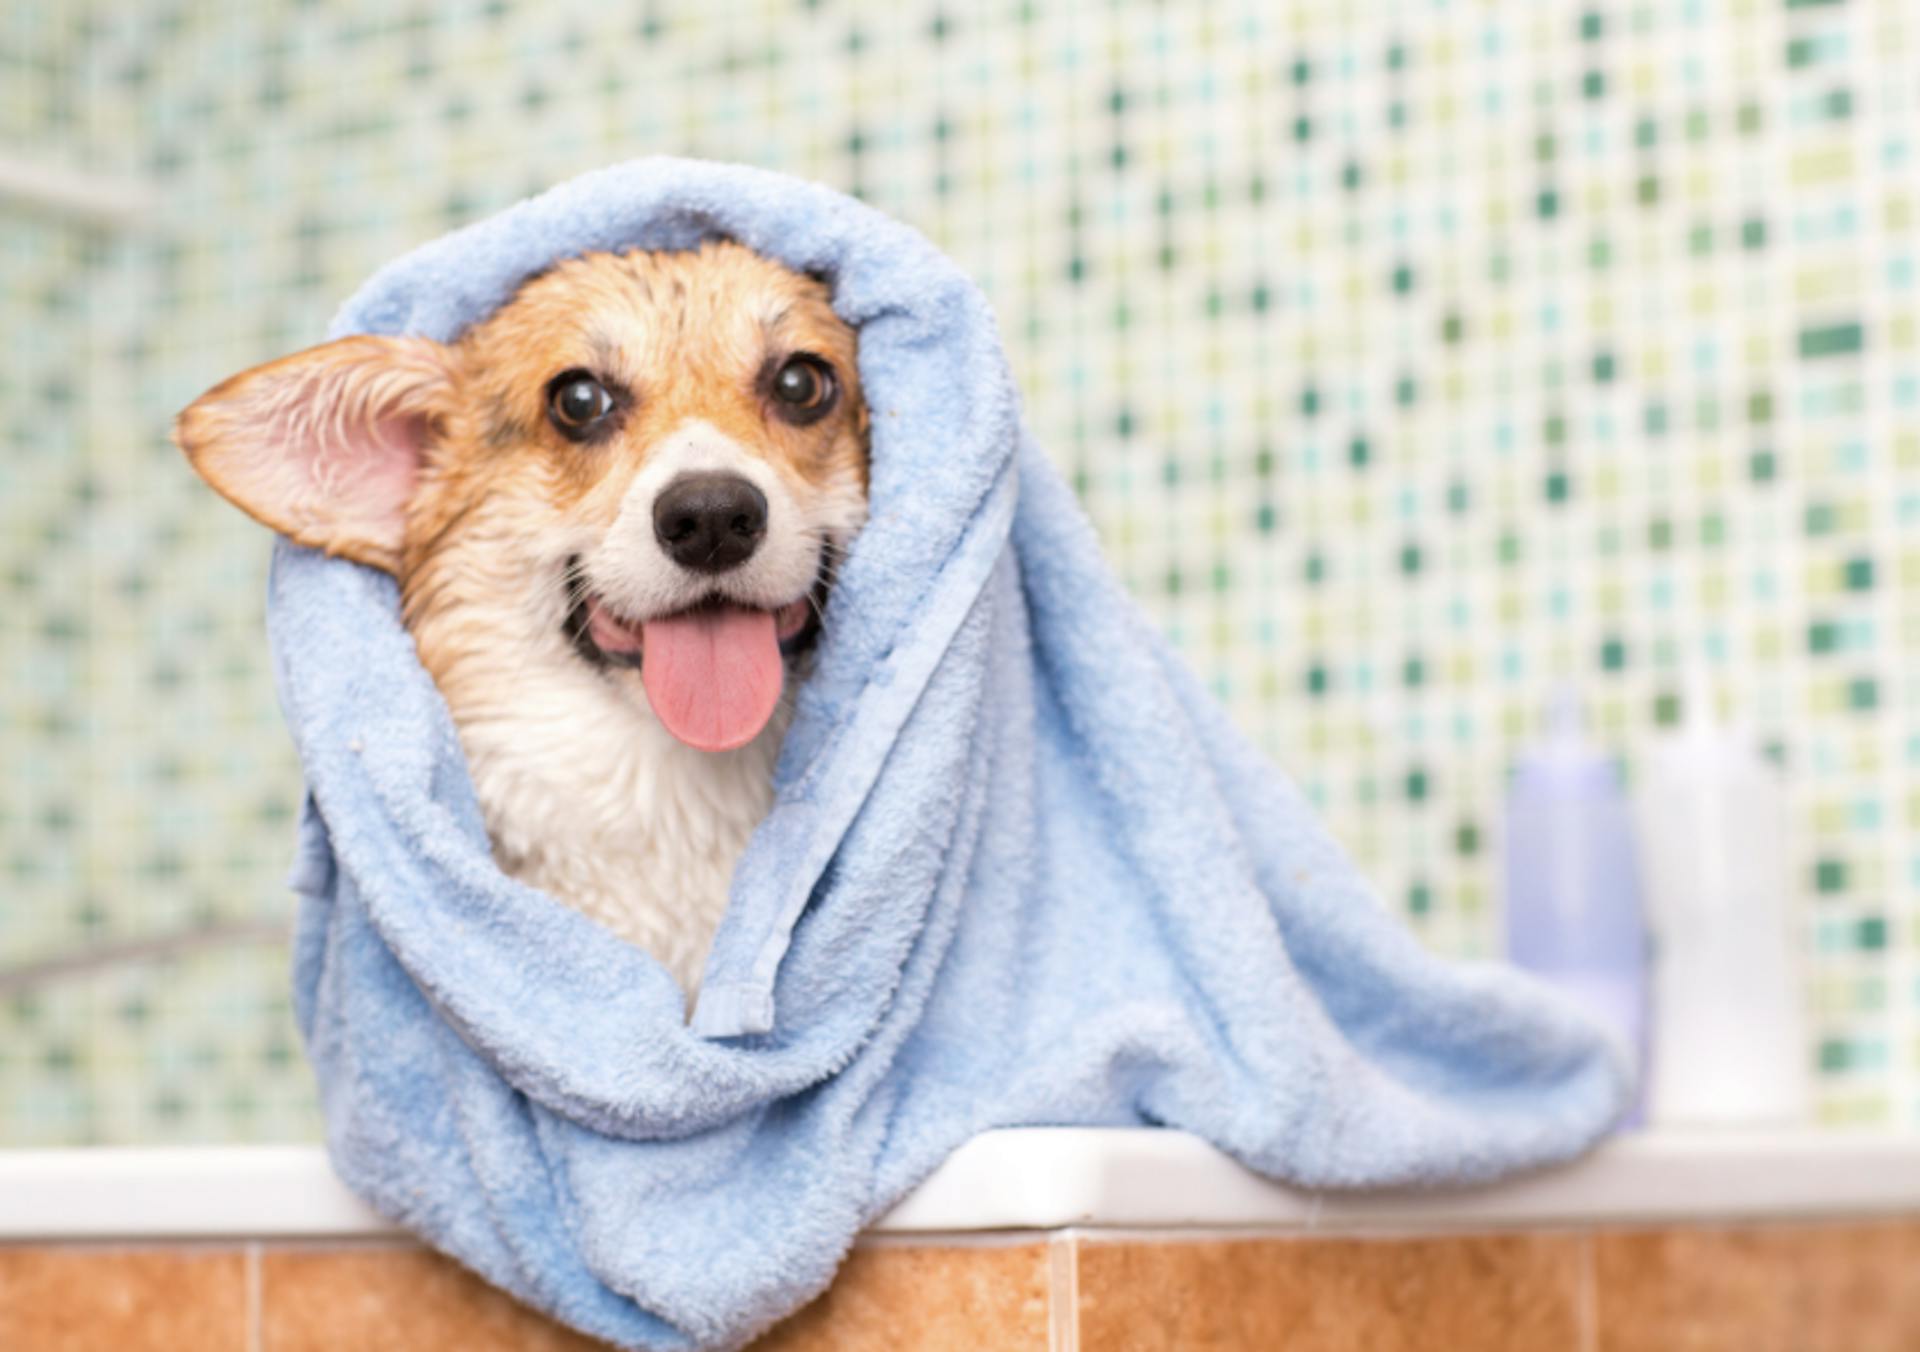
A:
[(1589, 1294), (255, 1333), (1063, 1292)]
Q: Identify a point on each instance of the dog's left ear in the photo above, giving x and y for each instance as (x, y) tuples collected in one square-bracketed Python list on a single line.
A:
[(325, 446)]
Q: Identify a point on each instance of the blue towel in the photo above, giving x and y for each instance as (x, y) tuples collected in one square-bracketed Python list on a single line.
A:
[(1019, 870)]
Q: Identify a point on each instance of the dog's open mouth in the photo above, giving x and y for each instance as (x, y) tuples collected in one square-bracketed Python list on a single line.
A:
[(713, 673)]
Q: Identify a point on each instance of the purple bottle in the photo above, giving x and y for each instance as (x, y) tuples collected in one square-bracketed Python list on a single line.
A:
[(1573, 908)]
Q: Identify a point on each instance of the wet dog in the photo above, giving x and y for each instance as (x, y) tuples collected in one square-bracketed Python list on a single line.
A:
[(613, 508)]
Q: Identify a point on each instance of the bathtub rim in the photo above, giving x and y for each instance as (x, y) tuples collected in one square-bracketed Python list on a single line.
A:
[(1028, 1179)]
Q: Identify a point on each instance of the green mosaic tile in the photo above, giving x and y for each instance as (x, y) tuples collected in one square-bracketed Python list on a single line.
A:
[(1409, 359)]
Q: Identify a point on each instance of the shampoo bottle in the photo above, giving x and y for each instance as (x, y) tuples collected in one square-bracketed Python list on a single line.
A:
[(1572, 885), (1729, 1038)]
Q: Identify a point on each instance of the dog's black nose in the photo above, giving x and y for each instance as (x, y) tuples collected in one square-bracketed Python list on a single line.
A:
[(710, 522)]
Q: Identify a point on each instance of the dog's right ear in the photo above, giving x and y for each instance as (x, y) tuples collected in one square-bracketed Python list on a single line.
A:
[(325, 446)]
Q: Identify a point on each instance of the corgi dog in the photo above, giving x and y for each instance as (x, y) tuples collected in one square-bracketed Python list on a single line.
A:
[(613, 509)]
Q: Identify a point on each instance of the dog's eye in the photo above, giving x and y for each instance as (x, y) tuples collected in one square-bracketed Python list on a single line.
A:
[(803, 389), (577, 403)]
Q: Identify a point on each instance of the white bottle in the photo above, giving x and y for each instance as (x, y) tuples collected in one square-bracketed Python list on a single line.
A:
[(1729, 1044)]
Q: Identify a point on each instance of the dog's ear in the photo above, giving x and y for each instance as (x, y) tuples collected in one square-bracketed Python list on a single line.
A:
[(325, 445)]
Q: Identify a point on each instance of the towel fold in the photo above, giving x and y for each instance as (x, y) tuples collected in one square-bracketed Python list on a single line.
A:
[(1019, 870)]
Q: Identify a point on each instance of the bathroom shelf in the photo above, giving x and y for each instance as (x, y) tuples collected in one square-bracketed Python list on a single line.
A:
[(1036, 1179)]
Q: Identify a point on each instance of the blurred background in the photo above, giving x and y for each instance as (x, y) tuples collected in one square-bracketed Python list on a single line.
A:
[(1411, 358)]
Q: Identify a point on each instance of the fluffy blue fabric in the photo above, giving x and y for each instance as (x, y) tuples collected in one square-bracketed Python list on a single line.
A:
[(1020, 870)]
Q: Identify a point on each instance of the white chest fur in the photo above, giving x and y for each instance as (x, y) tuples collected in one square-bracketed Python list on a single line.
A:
[(590, 800)]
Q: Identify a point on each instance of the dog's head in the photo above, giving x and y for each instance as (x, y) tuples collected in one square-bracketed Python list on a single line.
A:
[(646, 464)]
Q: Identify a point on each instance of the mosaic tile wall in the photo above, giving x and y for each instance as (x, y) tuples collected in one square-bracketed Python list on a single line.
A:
[(1411, 358)]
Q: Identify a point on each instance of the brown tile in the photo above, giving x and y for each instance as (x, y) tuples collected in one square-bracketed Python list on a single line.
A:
[(393, 1298), (919, 1298), (1485, 1292), (82, 1299), (1851, 1287)]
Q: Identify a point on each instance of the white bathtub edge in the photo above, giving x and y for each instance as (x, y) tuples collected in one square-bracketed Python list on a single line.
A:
[(1031, 1179)]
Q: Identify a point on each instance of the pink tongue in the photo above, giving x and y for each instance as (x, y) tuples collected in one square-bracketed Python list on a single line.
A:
[(713, 676)]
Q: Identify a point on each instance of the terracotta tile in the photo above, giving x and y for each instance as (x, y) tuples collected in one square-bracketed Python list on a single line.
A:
[(79, 1299), (1485, 1292), (402, 1299), (926, 1299), (1845, 1287), (388, 1298)]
